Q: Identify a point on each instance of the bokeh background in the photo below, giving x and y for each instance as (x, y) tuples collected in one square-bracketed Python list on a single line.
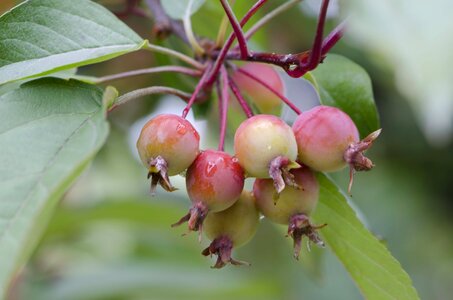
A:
[(109, 240)]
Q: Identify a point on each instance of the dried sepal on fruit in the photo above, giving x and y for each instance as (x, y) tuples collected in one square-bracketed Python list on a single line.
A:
[(230, 229)]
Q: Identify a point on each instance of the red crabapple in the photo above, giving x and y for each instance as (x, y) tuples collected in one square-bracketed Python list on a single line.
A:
[(231, 228), (328, 140), (167, 145), (266, 148), (266, 101), (293, 207), (214, 182)]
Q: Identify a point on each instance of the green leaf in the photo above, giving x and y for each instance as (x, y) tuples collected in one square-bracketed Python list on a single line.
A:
[(346, 85), (376, 272), (177, 8), (43, 36), (49, 131)]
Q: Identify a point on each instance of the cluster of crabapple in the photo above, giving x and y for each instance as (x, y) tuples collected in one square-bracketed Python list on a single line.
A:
[(283, 160)]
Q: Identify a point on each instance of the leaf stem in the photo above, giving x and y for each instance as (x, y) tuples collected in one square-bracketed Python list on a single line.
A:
[(148, 91), (170, 52), (201, 84), (189, 32), (270, 88), (245, 106), (177, 69), (237, 28), (224, 98)]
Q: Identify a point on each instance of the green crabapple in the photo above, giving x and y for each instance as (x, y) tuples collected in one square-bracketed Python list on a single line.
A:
[(293, 207), (328, 140), (168, 144), (214, 182), (265, 100), (230, 229), (266, 148)]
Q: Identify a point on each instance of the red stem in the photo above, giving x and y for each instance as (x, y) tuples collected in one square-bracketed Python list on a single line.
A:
[(201, 84), (316, 50), (224, 99), (245, 107), (333, 37), (236, 28), (223, 52), (270, 88)]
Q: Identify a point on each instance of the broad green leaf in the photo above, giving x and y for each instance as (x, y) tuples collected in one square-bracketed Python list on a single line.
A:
[(376, 272), (346, 85), (177, 8), (64, 74), (49, 131), (43, 36)]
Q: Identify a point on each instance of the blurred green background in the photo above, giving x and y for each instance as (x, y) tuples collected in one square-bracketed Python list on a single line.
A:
[(110, 240)]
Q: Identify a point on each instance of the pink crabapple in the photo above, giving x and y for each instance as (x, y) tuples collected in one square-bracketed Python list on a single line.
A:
[(328, 140), (293, 207), (266, 101), (214, 182), (231, 228), (168, 144), (266, 148)]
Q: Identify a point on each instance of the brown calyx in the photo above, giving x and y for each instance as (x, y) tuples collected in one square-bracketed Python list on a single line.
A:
[(195, 217), (279, 171), (355, 158), (222, 247), (158, 171), (300, 226)]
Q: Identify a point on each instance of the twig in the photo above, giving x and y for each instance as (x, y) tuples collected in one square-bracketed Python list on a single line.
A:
[(163, 24), (148, 91), (224, 51), (264, 20), (177, 69)]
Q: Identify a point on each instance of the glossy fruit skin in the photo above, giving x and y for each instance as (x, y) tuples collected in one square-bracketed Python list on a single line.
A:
[(171, 137), (259, 140), (239, 222), (215, 179), (323, 134), (266, 101), (291, 201)]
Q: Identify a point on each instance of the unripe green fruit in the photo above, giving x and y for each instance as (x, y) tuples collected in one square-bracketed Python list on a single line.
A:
[(292, 201), (238, 223), (293, 207), (266, 101), (230, 229), (259, 140)]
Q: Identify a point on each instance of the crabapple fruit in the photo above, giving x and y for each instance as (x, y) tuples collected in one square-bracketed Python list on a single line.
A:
[(168, 144), (266, 101), (214, 182), (293, 207), (231, 228), (266, 148), (328, 140)]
